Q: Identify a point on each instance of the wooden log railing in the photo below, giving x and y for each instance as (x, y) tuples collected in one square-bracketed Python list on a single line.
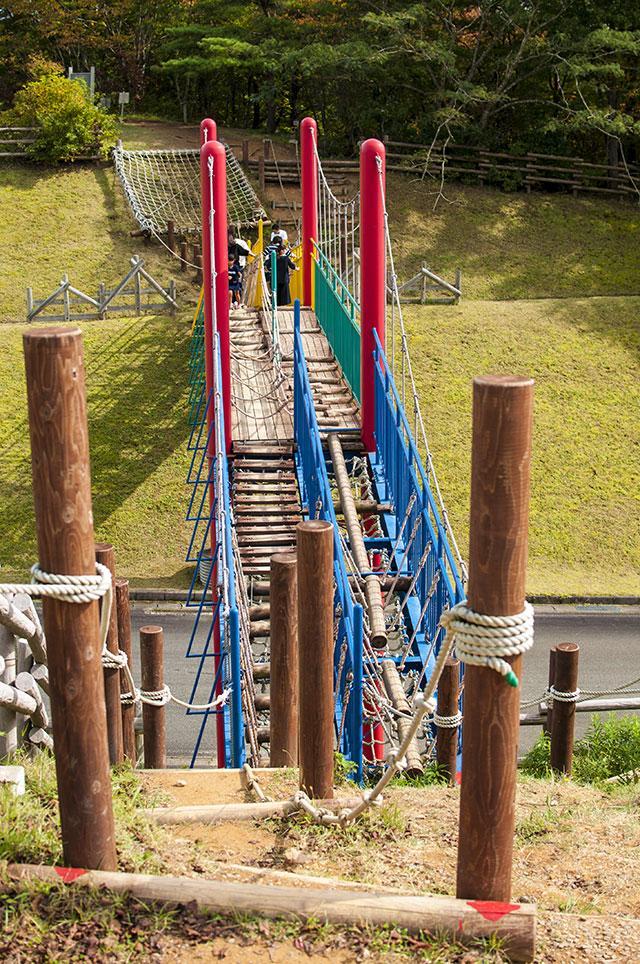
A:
[(528, 171)]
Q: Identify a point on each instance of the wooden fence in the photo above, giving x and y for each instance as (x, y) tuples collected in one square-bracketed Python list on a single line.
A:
[(515, 170), (500, 168), (14, 141), (130, 296)]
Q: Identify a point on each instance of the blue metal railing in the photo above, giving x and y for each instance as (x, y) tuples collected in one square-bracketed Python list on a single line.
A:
[(318, 500), (439, 585), (211, 543)]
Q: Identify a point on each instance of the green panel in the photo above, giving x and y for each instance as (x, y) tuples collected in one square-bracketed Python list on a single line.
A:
[(336, 312)]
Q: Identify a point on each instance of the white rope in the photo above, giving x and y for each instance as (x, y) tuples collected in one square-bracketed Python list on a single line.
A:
[(563, 697), (91, 588), (482, 640), (447, 722), (396, 309), (163, 186), (424, 705)]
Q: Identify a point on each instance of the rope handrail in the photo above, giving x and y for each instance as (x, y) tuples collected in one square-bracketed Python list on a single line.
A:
[(407, 369)]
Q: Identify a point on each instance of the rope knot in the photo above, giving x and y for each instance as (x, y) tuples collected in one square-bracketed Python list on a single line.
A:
[(482, 640)]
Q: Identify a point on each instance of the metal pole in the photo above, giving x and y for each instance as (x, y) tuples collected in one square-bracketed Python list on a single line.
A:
[(309, 185), (315, 628), (283, 601), (64, 522), (217, 152), (208, 131), (372, 276), (498, 541)]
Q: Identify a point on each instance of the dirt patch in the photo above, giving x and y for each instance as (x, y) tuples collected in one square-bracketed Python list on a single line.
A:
[(184, 788)]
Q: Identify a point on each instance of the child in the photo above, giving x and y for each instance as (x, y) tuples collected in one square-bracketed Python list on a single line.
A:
[(235, 284)]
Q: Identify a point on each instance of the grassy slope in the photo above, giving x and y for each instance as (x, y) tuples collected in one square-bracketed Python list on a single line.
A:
[(65, 220), (585, 357), (534, 269), (136, 375)]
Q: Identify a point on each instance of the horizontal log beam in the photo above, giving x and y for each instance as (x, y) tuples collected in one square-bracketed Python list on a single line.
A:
[(462, 920)]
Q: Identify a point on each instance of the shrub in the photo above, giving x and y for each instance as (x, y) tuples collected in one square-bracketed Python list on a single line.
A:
[(610, 748), (69, 125)]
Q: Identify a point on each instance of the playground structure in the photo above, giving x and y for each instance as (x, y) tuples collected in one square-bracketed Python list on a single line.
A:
[(319, 532)]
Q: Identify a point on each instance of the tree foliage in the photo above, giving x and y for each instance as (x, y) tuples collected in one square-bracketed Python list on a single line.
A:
[(549, 75), (69, 125)]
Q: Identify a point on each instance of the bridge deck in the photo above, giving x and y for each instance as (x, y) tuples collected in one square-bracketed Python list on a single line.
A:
[(262, 409)]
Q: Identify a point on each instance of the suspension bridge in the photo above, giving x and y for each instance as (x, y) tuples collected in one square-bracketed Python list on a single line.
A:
[(313, 412), (309, 412)]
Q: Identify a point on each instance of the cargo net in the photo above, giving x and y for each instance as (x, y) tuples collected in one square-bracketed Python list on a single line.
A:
[(163, 186)]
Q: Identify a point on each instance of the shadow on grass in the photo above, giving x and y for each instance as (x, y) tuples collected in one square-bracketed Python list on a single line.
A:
[(516, 246), (136, 387)]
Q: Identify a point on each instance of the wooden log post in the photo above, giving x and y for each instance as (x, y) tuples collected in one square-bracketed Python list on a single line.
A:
[(546, 726), (315, 634), (564, 711), (447, 736), (64, 522), (245, 152), (266, 149), (498, 542), (123, 613), (105, 555), (261, 179), (184, 256), (171, 236), (283, 690), (8, 722), (152, 680), (198, 264)]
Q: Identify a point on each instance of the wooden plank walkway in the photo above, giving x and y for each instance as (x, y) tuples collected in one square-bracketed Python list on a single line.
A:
[(262, 406), (264, 484)]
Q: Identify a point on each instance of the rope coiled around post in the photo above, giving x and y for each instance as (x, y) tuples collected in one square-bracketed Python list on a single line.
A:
[(92, 588), (563, 697), (482, 640)]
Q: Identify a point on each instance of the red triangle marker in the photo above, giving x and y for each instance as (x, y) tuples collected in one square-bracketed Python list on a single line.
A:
[(492, 909), (68, 874)]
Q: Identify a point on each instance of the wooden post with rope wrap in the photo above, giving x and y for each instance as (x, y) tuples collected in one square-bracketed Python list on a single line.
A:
[(564, 710), (447, 736), (283, 691), (64, 522), (152, 680), (498, 543), (105, 554), (315, 633), (123, 612)]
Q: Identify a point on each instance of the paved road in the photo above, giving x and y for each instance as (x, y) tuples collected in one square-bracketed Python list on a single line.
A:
[(609, 639)]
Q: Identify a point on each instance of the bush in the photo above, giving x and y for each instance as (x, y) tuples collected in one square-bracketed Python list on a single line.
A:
[(69, 125), (610, 748)]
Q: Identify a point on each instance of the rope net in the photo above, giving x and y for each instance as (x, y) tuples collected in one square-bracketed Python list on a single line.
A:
[(163, 186)]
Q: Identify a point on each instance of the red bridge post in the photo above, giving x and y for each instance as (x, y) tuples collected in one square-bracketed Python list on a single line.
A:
[(372, 276), (208, 131), (309, 185), (213, 184)]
